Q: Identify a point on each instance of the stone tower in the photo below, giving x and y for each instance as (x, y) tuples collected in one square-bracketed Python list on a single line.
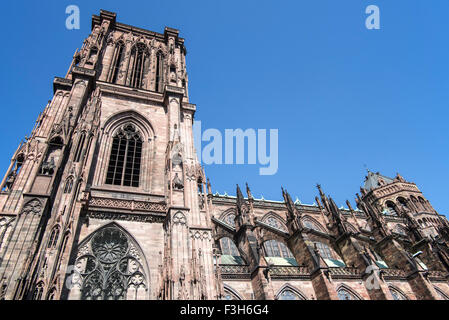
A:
[(101, 199), (106, 199)]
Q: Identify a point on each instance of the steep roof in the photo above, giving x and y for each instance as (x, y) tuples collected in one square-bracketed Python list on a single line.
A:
[(372, 180)]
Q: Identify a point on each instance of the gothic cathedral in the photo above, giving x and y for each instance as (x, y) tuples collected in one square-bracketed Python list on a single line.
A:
[(106, 200)]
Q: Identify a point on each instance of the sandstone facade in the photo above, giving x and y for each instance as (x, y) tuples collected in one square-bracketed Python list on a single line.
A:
[(106, 200)]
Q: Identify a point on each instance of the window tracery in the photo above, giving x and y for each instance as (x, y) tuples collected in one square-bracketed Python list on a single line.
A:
[(125, 159), (109, 267)]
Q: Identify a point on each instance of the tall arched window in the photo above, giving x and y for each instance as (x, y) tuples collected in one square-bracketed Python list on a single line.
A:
[(68, 185), (51, 294), (275, 248), (139, 65), (117, 61), (125, 159), (159, 71), (38, 291), (54, 236), (79, 148), (110, 267)]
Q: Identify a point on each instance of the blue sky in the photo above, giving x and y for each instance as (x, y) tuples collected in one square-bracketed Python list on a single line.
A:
[(341, 96)]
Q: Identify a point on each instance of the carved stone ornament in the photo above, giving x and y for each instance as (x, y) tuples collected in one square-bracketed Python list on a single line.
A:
[(32, 207)]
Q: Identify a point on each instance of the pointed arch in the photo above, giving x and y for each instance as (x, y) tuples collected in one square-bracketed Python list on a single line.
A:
[(311, 223), (230, 293), (131, 134), (117, 61), (110, 265), (52, 294), (346, 293), (274, 220), (289, 292), (38, 291), (68, 185), (160, 66), (79, 148), (122, 117), (397, 293), (54, 237), (228, 217), (139, 65)]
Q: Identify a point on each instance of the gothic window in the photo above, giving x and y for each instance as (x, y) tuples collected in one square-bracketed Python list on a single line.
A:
[(125, 159), (79, 148), (308, 223), (54, 236), (324, 250), (159, 71), (68, 185), (275, 223), (228, 247), (346, 294), (289, 294), (391, 209), (38, 291), (229, 219), (139, 66), (275, 248), (397, 295), (64, 242), (117, 61), (52, 294), (110, 267)]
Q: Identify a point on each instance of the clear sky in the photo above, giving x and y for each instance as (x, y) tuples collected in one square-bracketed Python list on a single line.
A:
[(341, 96)]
